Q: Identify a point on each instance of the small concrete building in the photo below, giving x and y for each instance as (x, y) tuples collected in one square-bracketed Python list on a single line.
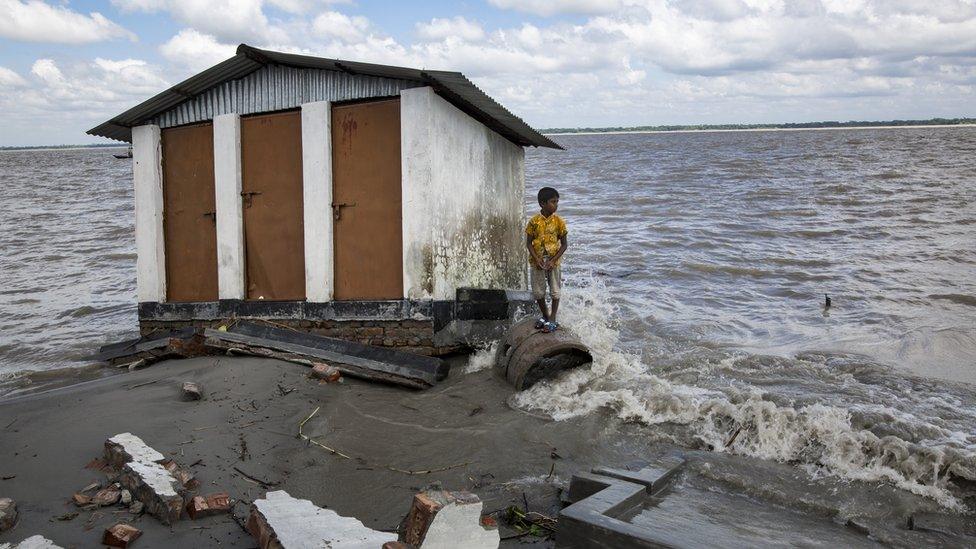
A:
[(344, 198)]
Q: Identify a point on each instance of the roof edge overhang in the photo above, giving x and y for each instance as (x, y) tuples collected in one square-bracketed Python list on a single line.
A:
[(453, 86)]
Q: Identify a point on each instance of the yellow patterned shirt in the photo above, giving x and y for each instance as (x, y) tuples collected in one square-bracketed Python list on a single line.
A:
[(545, 233)]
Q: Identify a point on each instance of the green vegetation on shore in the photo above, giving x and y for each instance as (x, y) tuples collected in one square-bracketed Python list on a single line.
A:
[(786, 126)]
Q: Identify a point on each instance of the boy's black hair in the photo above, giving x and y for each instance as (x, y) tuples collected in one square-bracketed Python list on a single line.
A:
[(546, 194)]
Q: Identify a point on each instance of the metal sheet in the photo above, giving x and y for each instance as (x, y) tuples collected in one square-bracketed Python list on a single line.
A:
[(189, 219), (285, 80), (367, 201), (271, 162)]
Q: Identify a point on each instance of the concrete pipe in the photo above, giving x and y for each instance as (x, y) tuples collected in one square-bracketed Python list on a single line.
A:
[(527, 355)]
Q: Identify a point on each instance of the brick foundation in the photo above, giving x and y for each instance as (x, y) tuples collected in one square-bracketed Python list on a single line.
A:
[(412, 336)]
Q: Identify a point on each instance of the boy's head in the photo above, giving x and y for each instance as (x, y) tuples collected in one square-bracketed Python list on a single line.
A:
[(548, 200)]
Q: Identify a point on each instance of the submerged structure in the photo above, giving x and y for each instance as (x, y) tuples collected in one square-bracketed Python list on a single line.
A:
[(349, 199)]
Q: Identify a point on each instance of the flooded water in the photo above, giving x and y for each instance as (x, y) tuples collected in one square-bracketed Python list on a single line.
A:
[(697, 270)]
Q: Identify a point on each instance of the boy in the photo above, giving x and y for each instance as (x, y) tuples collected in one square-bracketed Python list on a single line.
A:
[(546, 241)]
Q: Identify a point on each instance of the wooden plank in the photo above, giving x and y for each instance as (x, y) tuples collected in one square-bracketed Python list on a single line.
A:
[(347, 364), (426, 364)]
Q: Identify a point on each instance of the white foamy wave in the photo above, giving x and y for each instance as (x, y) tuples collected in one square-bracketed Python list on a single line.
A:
[(733, 419), (482, 359)]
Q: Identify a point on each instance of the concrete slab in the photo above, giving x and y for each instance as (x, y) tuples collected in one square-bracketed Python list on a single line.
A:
[(279, 520), (33, 542)]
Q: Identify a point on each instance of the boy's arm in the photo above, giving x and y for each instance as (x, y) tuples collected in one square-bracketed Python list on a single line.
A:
[(563, 244), (535, 258)]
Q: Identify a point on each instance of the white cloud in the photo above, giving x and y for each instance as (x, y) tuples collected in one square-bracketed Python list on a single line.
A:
[(554, 7), (457, 27), (10, 79), (196, 51), (36, 21), (335, 25), (227, 20)]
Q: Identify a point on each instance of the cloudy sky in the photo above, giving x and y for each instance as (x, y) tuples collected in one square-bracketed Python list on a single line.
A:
[(67, 65)]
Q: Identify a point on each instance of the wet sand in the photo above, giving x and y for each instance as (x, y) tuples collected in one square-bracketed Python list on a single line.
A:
[(463, 425), (46, 440)]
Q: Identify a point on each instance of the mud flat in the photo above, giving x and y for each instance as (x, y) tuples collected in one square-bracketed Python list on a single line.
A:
[(389, 442)]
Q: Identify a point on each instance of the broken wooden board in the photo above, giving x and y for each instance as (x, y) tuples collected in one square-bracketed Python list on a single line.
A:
[(183, 343), (353, 359)]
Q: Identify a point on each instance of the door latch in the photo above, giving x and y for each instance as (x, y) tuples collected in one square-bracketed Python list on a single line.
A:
[(337, 209)]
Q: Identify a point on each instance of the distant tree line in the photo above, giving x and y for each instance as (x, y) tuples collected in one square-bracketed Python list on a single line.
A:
[(788, 125), (93, 146)]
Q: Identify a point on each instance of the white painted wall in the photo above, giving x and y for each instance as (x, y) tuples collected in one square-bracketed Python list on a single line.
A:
[(463, 188), (317, 194), (230, 215), (147, 176)]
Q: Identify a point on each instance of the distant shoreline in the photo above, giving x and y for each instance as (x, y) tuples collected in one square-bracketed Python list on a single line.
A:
[(773, 129), (65, 147)]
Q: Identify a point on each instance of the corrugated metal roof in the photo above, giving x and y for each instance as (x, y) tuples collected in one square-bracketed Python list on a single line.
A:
[(453, 86)]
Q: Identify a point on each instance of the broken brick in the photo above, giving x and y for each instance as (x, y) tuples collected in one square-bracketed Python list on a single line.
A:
[(106, 496), (191, 391), (120, 535), (205, 506), (81, 500), (325, 372)]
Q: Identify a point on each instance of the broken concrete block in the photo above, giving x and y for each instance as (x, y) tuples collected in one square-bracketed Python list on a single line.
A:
[(106, 496), (137, 507), (205, 506), (442, 519), (8, 514), (281, 521), (154, 486), (33, 542), (121, 535), (126, 497), (324, 372), (191, 391), (126, 447)]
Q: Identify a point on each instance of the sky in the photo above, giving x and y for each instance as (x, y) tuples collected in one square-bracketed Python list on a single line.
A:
[(66, 66)]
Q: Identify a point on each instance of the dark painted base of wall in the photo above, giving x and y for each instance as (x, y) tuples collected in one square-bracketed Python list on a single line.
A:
[(422, 326)]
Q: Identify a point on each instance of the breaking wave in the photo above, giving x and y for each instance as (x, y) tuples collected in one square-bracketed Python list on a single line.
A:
[(833, 414)]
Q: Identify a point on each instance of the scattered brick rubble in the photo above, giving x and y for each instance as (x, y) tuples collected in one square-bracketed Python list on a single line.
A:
[(444, 520), (33, 542), (205, 506), (159, 484), (324, 372), (281, 521), (121, 535)]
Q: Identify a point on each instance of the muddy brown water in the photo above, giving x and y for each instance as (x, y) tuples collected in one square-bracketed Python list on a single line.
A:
[(697, 269)]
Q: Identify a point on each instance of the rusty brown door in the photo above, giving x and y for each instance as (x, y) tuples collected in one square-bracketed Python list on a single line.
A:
[(367, 201), (189, 221), (274, 241)]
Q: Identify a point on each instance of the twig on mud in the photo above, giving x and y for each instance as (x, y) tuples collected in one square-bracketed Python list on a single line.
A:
[(428, 471), (265, 483), (143, 384), (551, 469), (310, 440)]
